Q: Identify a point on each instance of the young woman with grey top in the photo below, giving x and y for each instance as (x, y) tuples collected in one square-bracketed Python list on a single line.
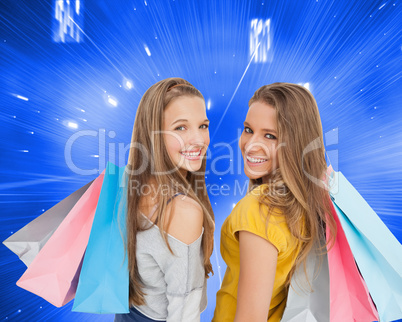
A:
[(170, 222)]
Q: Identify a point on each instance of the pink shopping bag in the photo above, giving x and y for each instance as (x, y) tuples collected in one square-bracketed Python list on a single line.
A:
[(349, 296), (53, 274)]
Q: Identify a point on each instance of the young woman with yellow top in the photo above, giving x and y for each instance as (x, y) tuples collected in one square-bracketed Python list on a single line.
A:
[(273, 228)]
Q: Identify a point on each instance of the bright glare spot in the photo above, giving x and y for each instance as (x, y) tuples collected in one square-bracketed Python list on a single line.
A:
[(112, 101), (209, 104), (77, 7), (72, 125), (233, 205), (95, 155), (147, 50), (260, 40), (128, 84), (306, 85), (24, 150), (145, 3)]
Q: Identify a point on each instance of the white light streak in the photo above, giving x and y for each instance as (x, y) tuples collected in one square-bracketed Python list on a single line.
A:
[(237, 87), (21, 97), (147, 50), (209, 104)]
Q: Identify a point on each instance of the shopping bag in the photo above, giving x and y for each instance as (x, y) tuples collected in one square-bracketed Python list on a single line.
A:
[(349, 296), (53, 274), (103, 285), (29, 240), (377, 252), (308, 296)]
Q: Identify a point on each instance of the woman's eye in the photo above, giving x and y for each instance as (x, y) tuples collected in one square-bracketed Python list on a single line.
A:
[(204, 126), (247, 130), (270, 136), (180, 128)]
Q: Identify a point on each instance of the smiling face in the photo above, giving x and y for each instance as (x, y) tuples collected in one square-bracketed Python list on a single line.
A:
[(258, 142), (185, 132)]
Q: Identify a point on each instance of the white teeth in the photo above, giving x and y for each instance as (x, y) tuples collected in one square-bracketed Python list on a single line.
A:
[(191, 154), (254, 160)]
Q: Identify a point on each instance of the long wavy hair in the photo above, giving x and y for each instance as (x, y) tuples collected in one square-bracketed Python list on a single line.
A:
[(149, 159), (297, 186)]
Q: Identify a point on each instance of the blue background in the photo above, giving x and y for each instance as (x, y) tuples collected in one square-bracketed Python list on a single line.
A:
[(348, 51)]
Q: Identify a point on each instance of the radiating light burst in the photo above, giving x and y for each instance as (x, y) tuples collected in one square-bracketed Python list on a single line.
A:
[(338, 47)]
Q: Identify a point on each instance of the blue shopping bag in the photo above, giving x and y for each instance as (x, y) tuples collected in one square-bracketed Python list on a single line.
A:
[(377, 252), (103, 285)]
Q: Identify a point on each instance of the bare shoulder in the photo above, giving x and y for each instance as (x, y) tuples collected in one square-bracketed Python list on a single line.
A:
[(187, 218)]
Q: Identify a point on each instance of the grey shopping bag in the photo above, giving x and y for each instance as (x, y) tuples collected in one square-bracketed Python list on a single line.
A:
[(29, 240), (308, 301)]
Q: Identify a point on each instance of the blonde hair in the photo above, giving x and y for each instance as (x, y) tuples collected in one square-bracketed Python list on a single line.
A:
[(148, 147), (296, 186)]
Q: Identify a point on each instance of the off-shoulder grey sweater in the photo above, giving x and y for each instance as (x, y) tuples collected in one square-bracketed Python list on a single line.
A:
[(175, 285)]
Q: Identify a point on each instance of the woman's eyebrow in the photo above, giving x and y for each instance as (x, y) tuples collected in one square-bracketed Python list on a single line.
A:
[(269, 130), (184, 120), (179, 120)]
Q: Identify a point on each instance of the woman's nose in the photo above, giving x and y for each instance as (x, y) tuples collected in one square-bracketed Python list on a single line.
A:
[(253, 144), (197, 138)]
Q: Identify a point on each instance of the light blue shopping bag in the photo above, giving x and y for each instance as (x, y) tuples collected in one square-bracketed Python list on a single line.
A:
[(103, 285), (377, 252)]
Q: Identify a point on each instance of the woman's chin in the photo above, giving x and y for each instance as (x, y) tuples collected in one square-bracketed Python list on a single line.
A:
[(253, 175)]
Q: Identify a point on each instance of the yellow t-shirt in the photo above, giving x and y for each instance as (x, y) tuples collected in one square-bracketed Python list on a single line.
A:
[(247, 216)]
